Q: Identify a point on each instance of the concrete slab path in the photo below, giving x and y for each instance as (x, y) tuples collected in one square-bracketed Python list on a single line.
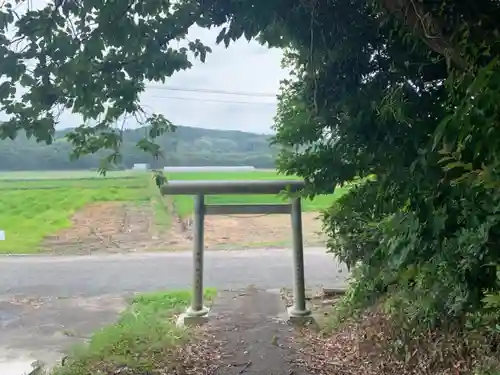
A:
[(255, 337)]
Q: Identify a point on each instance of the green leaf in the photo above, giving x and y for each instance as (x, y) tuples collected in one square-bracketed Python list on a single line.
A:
[(221, 36)]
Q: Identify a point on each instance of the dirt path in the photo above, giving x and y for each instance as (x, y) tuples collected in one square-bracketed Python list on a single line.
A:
[(255, 338), (116, 228)]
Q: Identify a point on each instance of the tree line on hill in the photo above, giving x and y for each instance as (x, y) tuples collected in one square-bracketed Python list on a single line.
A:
[(186, 146)]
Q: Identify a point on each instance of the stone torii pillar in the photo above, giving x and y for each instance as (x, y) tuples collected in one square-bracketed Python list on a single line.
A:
[(197, 312)]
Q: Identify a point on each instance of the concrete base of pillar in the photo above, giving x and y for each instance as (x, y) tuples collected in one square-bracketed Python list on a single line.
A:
[(299, 317), (193, 318)]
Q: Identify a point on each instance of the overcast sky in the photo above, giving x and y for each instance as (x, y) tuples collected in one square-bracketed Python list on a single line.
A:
[(243, 67)]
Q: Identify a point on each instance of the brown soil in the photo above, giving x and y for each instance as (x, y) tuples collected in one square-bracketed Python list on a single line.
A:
[(115, 227), (261, 231)]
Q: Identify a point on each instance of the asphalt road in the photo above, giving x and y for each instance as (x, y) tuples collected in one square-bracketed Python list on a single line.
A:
[(123, 273), (43, 298)]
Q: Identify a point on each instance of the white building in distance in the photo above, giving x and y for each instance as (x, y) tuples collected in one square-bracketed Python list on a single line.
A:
[(141, 167), (210, 169)]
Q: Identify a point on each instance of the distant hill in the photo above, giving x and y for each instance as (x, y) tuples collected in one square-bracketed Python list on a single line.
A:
[(186, 146)]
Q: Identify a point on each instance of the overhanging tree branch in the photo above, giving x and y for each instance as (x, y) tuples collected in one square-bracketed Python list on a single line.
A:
[(426, 26)]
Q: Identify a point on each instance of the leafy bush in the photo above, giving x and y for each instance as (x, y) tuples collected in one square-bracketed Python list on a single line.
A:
[(436, 255)]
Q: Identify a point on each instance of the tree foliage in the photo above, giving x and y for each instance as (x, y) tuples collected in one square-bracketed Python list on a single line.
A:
[(405, 90), (375, 94), (92, 58)]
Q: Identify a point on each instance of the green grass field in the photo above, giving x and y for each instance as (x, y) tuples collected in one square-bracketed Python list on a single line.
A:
[(34, 205), (30, 210), (61, 175)]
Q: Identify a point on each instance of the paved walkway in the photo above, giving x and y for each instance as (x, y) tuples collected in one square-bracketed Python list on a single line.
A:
[(255, 337), (47, 304)]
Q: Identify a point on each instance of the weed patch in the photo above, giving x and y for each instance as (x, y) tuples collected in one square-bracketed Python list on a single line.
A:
[(144, 340)]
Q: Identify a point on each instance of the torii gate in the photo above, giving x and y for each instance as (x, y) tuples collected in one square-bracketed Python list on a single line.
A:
[(197, 313)]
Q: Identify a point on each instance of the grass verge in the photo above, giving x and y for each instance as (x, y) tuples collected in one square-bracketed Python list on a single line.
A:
[(145, 340)]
